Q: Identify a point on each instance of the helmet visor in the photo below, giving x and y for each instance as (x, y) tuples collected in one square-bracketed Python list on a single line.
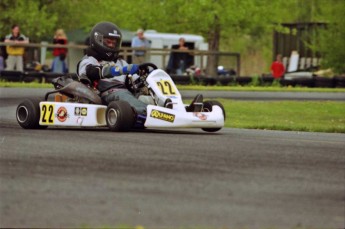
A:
[(111, 42)]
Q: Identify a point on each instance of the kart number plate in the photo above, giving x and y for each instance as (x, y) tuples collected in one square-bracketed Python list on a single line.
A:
[(47, 114), (166, 87)]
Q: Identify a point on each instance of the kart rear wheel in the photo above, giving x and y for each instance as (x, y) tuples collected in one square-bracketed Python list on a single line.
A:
[(28, 114), (119, 116), (208, 108)]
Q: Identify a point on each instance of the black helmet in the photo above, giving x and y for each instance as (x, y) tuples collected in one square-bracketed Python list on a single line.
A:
[(105, 40)]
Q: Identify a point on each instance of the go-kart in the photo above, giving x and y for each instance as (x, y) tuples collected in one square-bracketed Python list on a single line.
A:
[(78, 105)]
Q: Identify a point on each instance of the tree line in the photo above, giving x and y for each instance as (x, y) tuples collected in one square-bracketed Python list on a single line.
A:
[(227, 25)]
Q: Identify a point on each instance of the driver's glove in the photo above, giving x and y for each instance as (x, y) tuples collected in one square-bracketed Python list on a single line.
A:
[(110, 70), (129, 69)]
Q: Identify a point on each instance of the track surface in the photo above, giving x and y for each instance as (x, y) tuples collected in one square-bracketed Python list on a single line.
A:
[(165, 178)]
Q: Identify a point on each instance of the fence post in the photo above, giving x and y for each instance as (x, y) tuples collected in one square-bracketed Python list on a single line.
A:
[(43, 51)]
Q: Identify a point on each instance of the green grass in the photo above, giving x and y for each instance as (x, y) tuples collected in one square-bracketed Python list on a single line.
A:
[(25, 85), (258, 88), (199, 87), (311, 116)]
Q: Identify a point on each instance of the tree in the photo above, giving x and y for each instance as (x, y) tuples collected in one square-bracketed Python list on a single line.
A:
[(31, 16), (219, 19), (332, 40), (222, 22), (213, 19)]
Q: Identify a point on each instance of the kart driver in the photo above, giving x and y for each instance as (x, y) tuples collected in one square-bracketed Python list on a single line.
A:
[(102, 68)]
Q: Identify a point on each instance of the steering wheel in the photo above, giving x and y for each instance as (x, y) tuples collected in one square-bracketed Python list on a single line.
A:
[(143, 72), (145, 68)]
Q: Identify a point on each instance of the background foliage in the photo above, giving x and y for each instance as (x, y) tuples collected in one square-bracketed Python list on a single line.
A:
[(228, 25)]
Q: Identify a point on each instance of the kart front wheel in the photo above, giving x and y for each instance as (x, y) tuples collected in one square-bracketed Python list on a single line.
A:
[(207, 107), (28, 114), (119, 116)]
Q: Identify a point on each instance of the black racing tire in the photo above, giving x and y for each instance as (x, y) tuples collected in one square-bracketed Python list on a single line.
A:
[(120, 116), (28, 114), (208, 108)]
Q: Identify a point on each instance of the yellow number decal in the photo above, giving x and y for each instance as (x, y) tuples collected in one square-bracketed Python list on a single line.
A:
[(47, 114), (166, 87)]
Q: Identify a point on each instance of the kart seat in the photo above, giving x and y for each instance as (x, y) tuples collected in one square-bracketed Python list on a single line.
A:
[(73, 89)]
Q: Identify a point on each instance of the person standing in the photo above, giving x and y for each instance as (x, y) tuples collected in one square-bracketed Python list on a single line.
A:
[(15, 53), (2, 64), (180, 61), (277, 68), (59, 65), (181, 57), (139, 41)]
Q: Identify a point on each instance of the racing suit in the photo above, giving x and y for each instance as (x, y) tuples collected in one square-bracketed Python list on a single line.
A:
[(111, 88)]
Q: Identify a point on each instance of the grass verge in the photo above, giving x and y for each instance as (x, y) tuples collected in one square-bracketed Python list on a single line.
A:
[(311, 116), (258, 88), (25, 85), (199, 87)]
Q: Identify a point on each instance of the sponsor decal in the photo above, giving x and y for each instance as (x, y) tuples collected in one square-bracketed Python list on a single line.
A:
[(201, 116), (162, 116), (83, 111), (62, 114), (114, 34), (77, 111), (80, 120), (80, 111)]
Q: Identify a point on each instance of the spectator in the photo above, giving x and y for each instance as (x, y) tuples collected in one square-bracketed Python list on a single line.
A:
[(15, 53), (3, 50), (180, 61), (139, 56), (277, 68), (59, 65), (2, 65)]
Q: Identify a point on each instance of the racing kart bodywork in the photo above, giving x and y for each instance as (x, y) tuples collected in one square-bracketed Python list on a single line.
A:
[(78, 105)]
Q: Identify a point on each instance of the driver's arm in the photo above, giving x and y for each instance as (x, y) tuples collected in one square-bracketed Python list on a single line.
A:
[(90, 68), (109, 71)]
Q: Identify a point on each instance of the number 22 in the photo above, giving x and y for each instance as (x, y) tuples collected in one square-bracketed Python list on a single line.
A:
[(47, 110), (166, 87)]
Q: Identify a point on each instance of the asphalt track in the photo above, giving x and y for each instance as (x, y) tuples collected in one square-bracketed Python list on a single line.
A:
[(168, 178)]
